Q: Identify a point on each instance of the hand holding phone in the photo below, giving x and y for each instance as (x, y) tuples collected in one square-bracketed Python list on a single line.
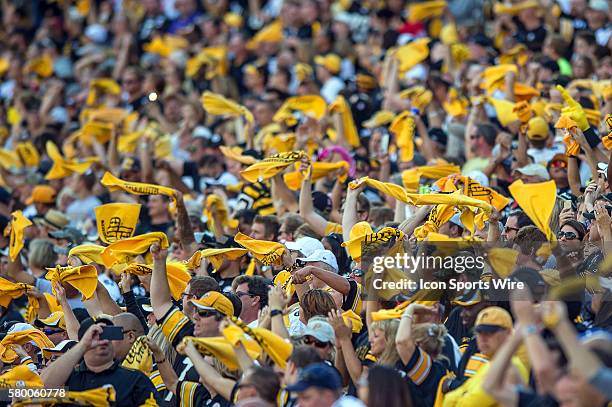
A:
[(112, 333)]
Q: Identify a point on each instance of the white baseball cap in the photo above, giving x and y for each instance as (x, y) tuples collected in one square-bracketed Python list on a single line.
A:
[(305, 245), (536, 170), (324, 256)]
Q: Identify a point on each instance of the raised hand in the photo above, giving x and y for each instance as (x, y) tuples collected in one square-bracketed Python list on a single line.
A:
[(342, 330)]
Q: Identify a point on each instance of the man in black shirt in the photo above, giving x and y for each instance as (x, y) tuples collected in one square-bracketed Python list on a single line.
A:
[(98, 368)]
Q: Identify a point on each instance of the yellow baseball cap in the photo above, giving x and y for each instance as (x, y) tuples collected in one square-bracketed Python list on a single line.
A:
[(538, 129), (492, 319), (215, 301), (356, 238), (42, 194), (331, 62)]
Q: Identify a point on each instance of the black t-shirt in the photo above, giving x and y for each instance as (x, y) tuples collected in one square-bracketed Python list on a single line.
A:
[(533, 39), (424, 373), (132, 387)]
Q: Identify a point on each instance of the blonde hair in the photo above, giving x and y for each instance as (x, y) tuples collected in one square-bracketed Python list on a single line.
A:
[(430, 338), (389, 356)]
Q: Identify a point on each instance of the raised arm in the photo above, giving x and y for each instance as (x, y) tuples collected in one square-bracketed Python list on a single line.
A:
[(161, 299), (164, 366), (494, 379), (316, 221), (581, 359), (404, 342), (349, 216), (58, 372), (278, 301), (109, 306), (184, 227), (208, 374), (333, 280), (282, 196), (72, 323), (541, 359), (345, 346)]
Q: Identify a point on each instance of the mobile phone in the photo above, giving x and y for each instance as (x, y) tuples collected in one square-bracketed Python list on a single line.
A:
[(567, 205), (112, 333)]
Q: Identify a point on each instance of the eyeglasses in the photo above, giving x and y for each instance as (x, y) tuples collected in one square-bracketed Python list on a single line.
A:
[(241, 294), (317, 343), (187, 295), (567, 235), (510, 228), (208, 313)]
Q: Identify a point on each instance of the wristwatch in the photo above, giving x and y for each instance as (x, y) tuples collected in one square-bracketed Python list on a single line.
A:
[(275, 312)]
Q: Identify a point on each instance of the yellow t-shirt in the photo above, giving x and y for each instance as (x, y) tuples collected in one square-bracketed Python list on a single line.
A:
[(332, 227), (471, 393)]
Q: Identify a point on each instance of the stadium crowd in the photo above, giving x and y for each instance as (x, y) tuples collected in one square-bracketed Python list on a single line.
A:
[(193, 193)]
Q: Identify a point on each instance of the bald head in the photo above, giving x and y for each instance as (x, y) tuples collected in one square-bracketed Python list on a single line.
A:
[(129, 322)]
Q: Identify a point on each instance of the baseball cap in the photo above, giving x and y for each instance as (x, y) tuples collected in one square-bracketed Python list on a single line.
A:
[(324, 256), (537, 129), (62, 347), (320, 329), (317, 375), (42, 194), (68, 233), (492, 319), (215, 301), (535, 170), (331, 62), (55, 320), (305, 245), (88, 322)]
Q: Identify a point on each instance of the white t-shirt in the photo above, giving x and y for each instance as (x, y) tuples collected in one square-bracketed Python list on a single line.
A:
[(543, 156)]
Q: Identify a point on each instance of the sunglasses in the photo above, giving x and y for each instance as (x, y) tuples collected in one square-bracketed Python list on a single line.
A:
[(187, 295), (48, 331), (558, 164), (509, 228), (208, 313), (567, 235), (317, 343)]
